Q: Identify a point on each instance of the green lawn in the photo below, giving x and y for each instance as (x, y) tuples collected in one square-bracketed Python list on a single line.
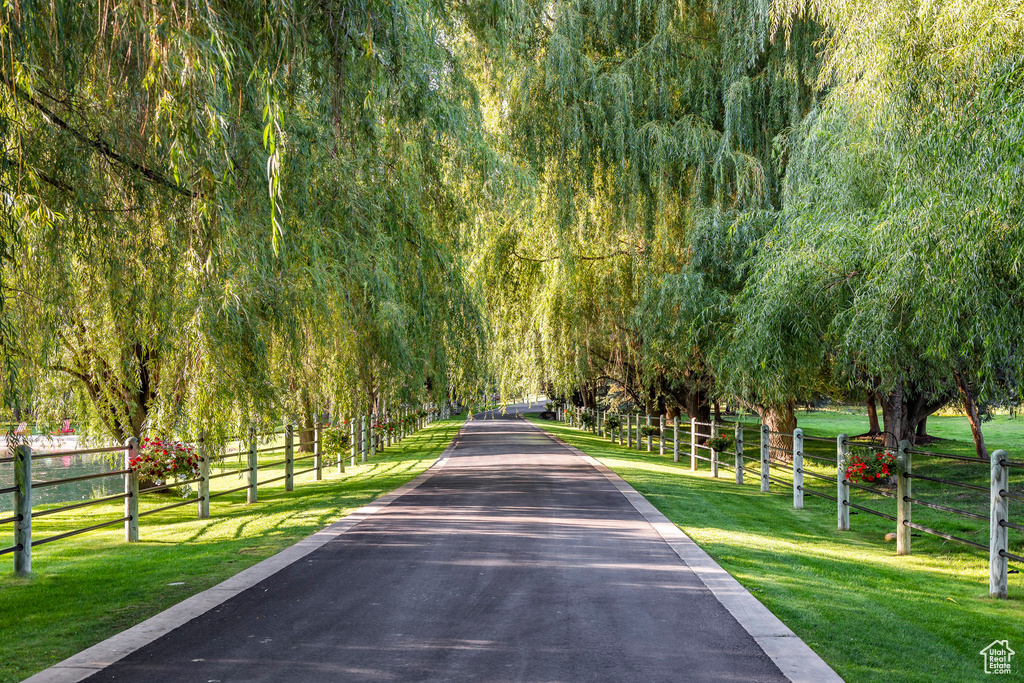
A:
[(89, 587), (871, 615)]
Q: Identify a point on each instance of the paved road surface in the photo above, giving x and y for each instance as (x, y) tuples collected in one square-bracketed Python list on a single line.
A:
[(518, 561)]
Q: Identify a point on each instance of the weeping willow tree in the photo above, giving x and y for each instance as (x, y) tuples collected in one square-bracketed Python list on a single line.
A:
[(652, 130), (209, 208), (896, 268)]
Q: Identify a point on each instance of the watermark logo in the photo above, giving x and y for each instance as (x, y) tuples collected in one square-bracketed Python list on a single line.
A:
[(997, 657)]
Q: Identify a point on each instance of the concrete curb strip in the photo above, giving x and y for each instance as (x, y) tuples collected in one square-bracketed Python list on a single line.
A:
[(798, 662), (87, 662)]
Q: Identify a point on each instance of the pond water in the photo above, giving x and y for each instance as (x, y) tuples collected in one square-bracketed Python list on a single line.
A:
[(63, 467)]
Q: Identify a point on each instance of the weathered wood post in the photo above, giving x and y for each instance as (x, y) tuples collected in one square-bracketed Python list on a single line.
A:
[(629, 431), (289, 457), (693, 444), (353, 440), (648, 423), (798, 469), (661, 434), (714, 453), (203, 501), (363, 439), (250, 492), (318, 453), (373, 435), (675, 439), (131, 489), (998, 533), (842, 488), (23, 509), (639, 436), (738, 439), (903, 495), (619, 430), (765, 455)]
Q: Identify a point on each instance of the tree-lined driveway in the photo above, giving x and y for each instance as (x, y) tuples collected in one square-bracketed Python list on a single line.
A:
[(516, 561)]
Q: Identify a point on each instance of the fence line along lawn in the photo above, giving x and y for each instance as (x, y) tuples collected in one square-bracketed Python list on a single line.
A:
[(867, 612), (86, 588)]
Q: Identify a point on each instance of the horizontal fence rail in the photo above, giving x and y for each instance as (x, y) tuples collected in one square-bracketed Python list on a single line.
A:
[(784, 461), (363, 436)]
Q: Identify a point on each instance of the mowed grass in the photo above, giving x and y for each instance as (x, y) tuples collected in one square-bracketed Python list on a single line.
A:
[(871, 615), (86, 588)]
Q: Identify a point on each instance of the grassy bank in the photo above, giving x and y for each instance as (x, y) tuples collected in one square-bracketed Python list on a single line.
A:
[(871, 615), (89, 587)]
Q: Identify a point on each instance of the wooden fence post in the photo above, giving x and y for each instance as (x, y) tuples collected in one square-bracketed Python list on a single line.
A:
[(738, 439), (363, 440), (661, 434), (998, 536), (842, 488), (373, 436), (648, 422), (318, 454), (204, 479), (354, 439), (903, 495), (131, 488), (639, 436), (250, 493), (23, 510), (765, 456), (693, 444), (714, 453), (629, 431), (289, 457), (675, 439), (798, 469)]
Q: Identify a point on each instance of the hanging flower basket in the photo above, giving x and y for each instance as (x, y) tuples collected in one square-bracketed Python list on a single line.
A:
[(161, 462), (719, 443), (588, 419), (650, 430), (612, 422), (871, 468)]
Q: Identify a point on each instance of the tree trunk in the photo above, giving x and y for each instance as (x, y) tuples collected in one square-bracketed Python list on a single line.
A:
[(780, 419), (903, 408), (873, 427), (697, 406), (718, 412), (922, 429), (970, 400)]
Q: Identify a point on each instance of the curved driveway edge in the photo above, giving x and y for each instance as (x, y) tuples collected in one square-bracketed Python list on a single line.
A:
[(795, 659), (91, 660)]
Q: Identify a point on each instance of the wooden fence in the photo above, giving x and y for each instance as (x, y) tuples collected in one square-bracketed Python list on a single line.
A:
[(809, 459), (364, 440)]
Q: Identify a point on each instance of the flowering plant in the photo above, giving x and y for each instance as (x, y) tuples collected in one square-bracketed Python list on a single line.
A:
[(719, 443), (650, 430), (588, 420), (160, 462), (384, 425), (871, 468)]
